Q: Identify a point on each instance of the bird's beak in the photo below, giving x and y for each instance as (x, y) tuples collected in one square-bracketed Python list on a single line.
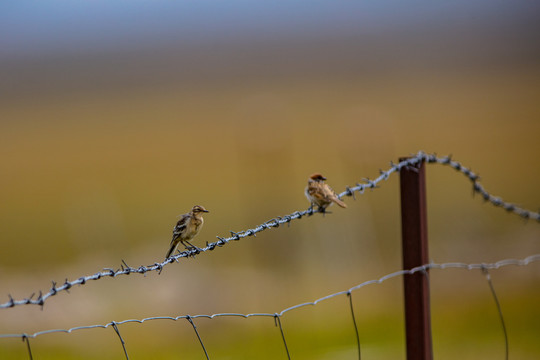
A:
[(205, 211), (323, 178)]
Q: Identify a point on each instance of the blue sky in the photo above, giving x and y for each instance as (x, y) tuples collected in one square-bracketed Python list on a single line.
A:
[(33, 27)]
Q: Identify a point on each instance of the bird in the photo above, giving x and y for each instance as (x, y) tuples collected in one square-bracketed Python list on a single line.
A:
[(187, 228), (321, 194)]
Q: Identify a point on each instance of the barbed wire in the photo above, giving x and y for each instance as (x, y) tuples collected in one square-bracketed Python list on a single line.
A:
[(411, 162), (478, 188), (484, 267)]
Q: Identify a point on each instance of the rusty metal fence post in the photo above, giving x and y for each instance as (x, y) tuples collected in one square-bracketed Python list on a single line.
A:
[(415, 253)]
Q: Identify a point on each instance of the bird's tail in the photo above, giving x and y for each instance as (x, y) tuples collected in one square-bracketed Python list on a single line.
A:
[(171, 250), (339, 202)]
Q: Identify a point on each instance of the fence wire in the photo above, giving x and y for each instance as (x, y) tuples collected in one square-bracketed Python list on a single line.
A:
[(414, 160), (499, 309), (483, 267)]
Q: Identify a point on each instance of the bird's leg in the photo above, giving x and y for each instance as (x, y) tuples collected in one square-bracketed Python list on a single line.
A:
[(188, 247), (180, 251), (191, 246), (323, 210)]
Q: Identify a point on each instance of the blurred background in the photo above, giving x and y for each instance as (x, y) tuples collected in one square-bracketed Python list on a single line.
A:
[(115, 117)]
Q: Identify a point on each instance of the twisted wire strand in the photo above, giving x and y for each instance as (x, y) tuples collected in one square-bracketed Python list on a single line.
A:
[(413, 161), (356, 332), (113, 323), (481, 266), (189, 318), (499, 309)]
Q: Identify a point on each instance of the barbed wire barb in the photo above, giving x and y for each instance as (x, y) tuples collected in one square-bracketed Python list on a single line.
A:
[(412, 161)]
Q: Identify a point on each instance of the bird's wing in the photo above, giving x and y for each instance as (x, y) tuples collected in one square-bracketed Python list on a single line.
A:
[(330, 194), (180, 227), (321, 192), (315, 191)]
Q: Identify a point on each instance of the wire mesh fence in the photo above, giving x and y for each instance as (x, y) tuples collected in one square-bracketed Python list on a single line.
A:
[(359, 188), (483, 268)]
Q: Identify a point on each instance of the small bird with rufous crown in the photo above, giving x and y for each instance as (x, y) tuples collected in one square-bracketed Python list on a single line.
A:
[(321, 194)]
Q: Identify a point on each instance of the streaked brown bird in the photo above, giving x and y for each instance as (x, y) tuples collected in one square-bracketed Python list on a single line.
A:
[(187, 228), (321, 194)]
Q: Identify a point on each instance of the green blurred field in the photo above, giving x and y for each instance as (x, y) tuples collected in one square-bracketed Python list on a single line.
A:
[(100, 154)]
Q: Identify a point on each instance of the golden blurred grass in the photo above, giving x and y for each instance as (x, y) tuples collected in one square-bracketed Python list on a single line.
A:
[(91, 178)]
